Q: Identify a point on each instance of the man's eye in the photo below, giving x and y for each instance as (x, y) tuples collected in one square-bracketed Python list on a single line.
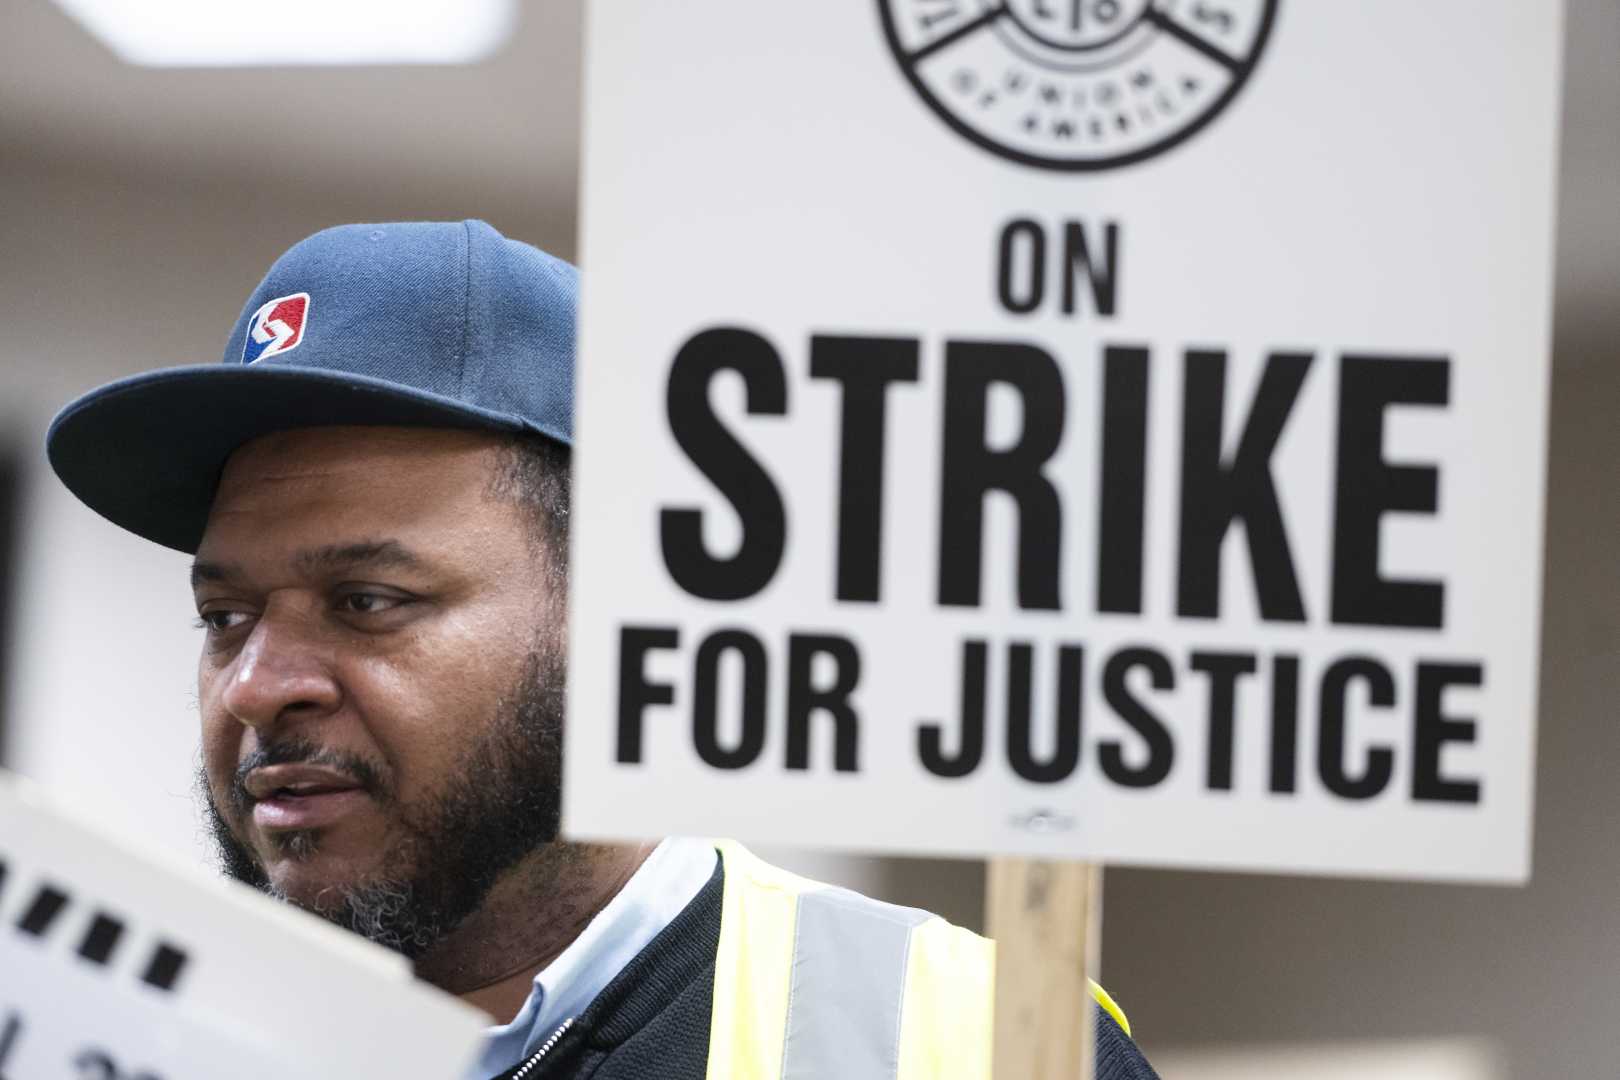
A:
[(219, 622), (368, 603)]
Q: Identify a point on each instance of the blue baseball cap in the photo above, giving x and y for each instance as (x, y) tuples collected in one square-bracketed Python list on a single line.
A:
[(419, 324)]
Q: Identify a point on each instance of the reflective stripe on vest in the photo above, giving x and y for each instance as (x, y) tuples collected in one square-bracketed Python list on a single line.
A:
[(814, 982)]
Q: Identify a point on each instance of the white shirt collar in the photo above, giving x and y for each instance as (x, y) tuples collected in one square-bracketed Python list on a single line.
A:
[(666, 882)]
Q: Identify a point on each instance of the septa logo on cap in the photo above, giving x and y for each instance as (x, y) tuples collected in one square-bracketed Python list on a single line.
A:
[(275, 328)]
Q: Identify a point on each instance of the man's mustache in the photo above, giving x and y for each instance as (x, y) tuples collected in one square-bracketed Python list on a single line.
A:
[(304, 751)]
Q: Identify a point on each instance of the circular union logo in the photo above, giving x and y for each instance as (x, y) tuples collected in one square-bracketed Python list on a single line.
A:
[(1077, 84)]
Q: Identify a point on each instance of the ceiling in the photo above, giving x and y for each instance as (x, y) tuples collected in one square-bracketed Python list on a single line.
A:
[(504, 129)]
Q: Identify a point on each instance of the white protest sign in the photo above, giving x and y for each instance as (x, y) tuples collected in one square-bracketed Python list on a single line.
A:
[(117, 966), (1107, 430)]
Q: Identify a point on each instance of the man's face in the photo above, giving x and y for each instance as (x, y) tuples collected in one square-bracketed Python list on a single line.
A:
[(381, 674)]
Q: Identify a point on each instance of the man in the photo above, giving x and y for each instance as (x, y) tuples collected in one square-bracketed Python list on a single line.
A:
[(374, 484)]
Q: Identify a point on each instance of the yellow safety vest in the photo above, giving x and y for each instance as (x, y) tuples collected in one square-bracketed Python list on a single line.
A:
[(813, 981)]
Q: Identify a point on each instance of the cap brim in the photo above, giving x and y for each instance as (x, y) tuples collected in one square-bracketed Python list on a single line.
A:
[(146, 452)]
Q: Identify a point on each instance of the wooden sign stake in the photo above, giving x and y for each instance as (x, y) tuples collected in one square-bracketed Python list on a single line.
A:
[(1045, 918)]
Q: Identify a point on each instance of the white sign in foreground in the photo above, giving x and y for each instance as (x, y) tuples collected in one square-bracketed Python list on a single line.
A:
[(120, 967), (1045, 427)]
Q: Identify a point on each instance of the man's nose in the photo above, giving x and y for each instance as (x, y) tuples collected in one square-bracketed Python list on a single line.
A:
[(280, 674)]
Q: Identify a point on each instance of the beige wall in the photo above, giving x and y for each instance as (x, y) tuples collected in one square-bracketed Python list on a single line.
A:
[(105, 271)]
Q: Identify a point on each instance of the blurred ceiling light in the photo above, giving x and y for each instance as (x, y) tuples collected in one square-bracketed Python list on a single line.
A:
[(234, 33)]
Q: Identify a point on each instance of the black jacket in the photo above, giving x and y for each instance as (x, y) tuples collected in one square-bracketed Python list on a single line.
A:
[(652, 1020)]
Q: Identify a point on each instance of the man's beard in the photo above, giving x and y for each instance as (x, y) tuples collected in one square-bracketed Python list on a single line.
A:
[(501, 804)]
